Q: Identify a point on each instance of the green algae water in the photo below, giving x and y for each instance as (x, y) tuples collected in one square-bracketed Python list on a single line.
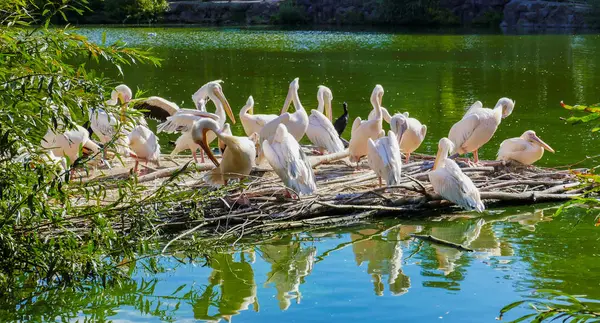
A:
[(369, 272)]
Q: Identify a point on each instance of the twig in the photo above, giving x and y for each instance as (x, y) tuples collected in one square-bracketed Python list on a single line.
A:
[(442, 242)]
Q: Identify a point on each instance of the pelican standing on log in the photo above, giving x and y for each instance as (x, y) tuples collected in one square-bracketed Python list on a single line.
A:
[(384, 158), (320, 130), (184, 119), (363, 130), (298, 122), (144, 143), (413, 132), (289, 162), (526, 149), (478, 126), (251, 122), (451, 183), (238, 159)]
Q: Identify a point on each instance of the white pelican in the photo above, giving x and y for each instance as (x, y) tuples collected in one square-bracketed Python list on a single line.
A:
[(68, 143), (410, 132), (363, 130), (321, 131), (298, 122), (226, 130), (526, 149), (451, 183), (183, 120), (377, 100), (144, 144), (251, 122), (384, 158), (238, 159), (478, 126), (289, 162)]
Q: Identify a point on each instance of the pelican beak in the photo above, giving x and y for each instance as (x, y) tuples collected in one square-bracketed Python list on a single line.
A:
[(219, 93), (288, 100), (204, 145), (380, 98), (328, 110), (438, 157), (543, 144)]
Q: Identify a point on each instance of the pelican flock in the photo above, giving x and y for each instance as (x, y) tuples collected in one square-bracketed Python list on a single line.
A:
[(275, 138)]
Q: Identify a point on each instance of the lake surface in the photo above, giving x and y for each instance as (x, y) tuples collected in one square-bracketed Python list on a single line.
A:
[(373, 272)]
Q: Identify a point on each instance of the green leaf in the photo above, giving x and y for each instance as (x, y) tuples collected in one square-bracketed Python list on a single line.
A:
[(510, 307)]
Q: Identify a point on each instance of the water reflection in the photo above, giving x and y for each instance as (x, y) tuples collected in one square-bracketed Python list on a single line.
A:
[(371, 263), (290, 263)]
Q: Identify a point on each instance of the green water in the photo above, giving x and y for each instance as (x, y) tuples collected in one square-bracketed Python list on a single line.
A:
[(371, 272)]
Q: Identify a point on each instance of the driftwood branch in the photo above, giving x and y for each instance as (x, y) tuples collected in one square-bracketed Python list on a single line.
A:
[(441, 242)]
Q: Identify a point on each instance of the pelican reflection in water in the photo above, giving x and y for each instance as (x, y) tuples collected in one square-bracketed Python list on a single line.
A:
[(290, 261)]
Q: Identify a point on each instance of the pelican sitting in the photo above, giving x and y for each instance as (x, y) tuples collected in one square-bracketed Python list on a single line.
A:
[(451, 183), (478, 126), (384, 158), (183, 120), (238, 159), (320, 130), (526, 149), (144, 143), (289, 162), (341, 122), (363, 130), (413, 132), (251, 122), (298, 122)]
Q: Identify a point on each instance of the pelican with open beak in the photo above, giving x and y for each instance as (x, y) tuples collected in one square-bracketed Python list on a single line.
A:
[(526, 149), (238, 159)]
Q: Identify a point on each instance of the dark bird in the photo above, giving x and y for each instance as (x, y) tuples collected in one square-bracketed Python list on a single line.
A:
[(341, 123)]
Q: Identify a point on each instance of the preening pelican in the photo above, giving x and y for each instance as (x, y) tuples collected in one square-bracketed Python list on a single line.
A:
[(320, 130), (299, 119), (478, 126), (183, 120), (238, 159), (67, 144), (253, 122), (526, 149), (384, 158), (363, 130), (377, 100), (289, 162), (144, 143), (451, 183), (410, 132), (341, 122)]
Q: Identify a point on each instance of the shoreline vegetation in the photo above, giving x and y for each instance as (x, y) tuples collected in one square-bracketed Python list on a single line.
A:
[(515, 15)]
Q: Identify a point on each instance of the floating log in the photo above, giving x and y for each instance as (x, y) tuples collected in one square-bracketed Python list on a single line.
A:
[(346, 195)]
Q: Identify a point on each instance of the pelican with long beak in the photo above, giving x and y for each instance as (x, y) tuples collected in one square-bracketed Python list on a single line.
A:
[(410, 132), (238, 159), (184, 119), (478, 125), (385, 160), (526, 149), (377, 101), (363, 130), (451, 183), (289, 162), (321, 131), (253, 123), (298, 122)]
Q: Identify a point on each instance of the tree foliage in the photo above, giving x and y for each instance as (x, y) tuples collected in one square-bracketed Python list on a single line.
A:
[(557, 306), (45, 84)]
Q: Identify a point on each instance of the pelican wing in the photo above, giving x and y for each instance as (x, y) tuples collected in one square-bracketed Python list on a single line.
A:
[(291, 165), (157, 107), (455, 186), (511, 146), (357, 122), (387, 117), (384, 158), (473, 108), (103, 124), (463, 130), (269, 129), (322, 133), (183, 120)]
